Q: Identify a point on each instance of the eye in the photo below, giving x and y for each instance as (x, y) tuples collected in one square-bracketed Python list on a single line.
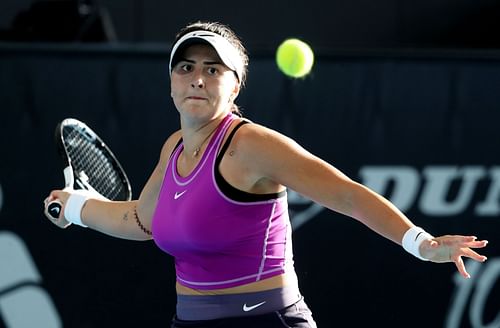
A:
[(186, 67), (212, 70)]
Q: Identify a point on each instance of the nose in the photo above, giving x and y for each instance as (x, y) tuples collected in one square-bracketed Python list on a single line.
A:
[(197, 84), (198, 81)]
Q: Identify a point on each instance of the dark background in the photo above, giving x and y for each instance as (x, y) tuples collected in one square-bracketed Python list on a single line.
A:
[(358, 24), (395, 83)]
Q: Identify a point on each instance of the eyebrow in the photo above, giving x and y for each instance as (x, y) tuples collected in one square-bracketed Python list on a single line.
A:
[(205, 62)]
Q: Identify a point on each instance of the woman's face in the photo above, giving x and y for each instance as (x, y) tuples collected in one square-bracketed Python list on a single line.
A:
[(201, 85)]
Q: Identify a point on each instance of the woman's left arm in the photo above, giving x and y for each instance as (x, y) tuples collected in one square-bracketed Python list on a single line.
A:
[(282, 160)]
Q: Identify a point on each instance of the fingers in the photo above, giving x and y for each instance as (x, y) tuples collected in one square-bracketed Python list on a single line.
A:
[(56, 217), (456, 239), (460, 263), (473, 255), (461, 267), (56, 194), (477, 244), (461, 246), (462, 241), (471, 241)]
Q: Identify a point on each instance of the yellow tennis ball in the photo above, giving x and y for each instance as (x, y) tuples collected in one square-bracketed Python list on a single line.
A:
[(294, 58)]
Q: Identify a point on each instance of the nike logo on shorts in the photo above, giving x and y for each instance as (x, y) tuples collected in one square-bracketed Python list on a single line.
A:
[(252, 307), (177, 194)]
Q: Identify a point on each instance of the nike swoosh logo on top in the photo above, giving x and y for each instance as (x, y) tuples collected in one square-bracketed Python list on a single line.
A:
[(253, 307), (177, 194)]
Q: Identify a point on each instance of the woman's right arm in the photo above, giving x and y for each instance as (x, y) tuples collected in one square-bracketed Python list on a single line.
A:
[(121, 218)]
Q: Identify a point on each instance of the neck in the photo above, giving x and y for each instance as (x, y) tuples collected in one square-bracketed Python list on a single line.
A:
[(196, 139)]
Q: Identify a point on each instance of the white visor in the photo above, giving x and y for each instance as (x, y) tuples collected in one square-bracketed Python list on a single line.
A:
[(226, 51)]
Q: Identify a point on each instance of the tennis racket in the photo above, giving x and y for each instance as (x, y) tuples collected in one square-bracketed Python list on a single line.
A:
[(88, 164)]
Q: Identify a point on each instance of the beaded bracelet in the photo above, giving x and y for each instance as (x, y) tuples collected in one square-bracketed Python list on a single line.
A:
[(139, 223)]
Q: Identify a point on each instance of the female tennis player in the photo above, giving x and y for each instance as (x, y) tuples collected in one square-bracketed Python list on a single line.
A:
[(217, 201)]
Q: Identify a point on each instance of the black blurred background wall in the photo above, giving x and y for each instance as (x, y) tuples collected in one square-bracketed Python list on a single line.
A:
[(356, 24), (404, 96)]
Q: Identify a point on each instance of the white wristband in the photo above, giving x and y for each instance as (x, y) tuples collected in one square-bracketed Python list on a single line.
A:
[(412, 240), (74, 205)]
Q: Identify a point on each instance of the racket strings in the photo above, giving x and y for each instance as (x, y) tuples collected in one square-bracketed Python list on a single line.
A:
[(92, 166)]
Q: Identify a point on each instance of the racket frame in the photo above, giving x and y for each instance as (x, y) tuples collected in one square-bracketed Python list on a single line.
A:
[(70, 179)]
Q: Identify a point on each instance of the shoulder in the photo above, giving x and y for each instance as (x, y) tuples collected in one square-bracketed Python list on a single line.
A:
[(252, 132), (255, 138), (263, 148)]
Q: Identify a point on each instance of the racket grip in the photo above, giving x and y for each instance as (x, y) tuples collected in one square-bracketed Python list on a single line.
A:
[(54, 209)]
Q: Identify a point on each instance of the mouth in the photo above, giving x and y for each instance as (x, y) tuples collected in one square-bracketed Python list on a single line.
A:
[(195, 98)]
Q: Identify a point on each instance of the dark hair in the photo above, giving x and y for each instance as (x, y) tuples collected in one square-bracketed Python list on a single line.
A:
[(226, 32)]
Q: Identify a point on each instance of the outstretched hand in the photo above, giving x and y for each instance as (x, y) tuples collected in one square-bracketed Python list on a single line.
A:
[(451, 249)]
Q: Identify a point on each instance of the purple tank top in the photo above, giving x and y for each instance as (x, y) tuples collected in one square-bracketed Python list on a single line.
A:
[(218, 242)]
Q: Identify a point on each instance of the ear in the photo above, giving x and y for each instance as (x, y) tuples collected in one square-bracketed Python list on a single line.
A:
[(236, 91)]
